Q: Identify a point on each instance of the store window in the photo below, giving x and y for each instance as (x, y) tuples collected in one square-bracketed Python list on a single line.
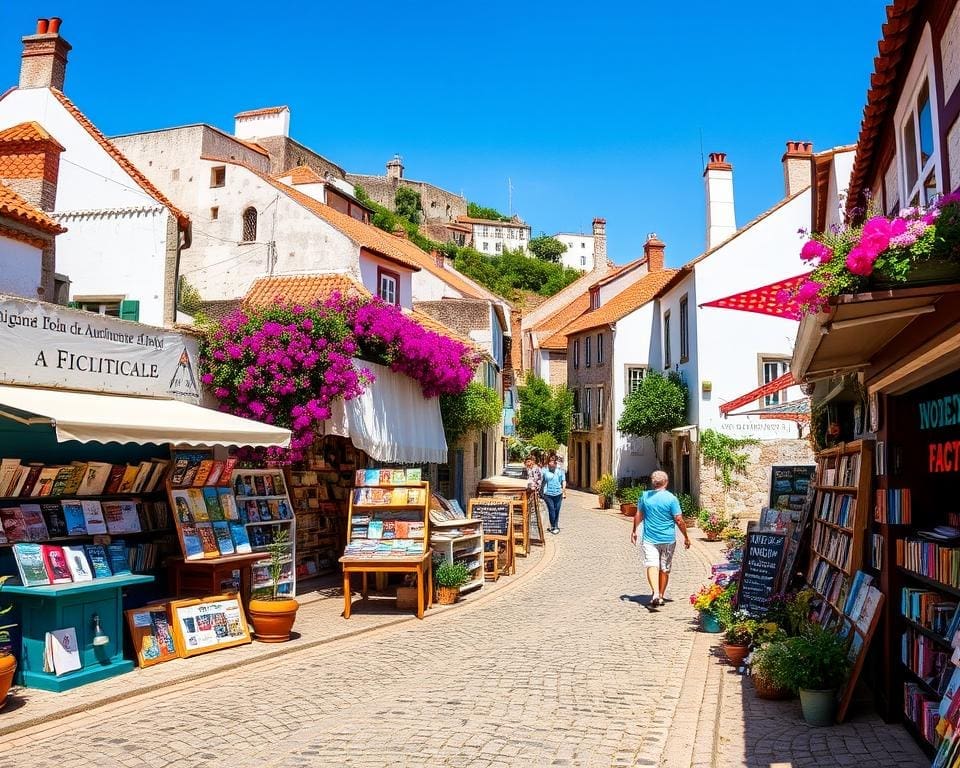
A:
[(667, 362), (388, 286), (771, 369), (600, 405), (634, 377), (684, 329), (249, 225)]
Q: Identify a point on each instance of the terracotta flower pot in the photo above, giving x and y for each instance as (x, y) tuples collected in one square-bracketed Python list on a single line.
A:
[(766, 689), (602, 501), (448, 595), (628, 509), (713, 535), (273, 619), (736, 653), (8, 667)]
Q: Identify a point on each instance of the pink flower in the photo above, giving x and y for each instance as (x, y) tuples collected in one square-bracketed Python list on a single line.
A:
[(809, 291), (860, 260), (815, 250)]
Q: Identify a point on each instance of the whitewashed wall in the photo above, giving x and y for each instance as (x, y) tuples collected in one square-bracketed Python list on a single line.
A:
[(368, 273), (19, 268)]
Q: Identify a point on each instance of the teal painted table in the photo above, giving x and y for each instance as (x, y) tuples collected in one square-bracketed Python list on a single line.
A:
[(59, 606)]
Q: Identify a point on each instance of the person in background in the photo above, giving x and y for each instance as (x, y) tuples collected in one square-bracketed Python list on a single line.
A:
[(534, 475), (659, 511), (554, 491)]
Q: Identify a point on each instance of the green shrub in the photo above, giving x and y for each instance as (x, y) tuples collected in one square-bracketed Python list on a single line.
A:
[(452, 574), (605, 486), (631, 494), (544, 441), (818, 660)]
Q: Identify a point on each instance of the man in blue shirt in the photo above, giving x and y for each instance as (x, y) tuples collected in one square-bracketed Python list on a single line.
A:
[(659, 511)]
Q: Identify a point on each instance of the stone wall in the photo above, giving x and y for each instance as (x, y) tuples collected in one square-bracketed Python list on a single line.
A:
[(438, 204), (750, 492)]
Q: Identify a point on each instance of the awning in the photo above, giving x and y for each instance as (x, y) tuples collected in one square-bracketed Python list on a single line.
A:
[(765, 299), (94, 417), (391, 421), (794, 410), (780, 383)]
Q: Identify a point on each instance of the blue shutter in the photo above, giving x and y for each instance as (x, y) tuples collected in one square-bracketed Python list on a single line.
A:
[(130, 310)]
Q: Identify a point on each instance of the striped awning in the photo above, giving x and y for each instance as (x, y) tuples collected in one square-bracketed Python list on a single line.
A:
[(778, 384), (765, 300)]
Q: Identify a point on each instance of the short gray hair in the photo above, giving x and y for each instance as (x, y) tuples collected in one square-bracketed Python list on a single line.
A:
[(659, 479)]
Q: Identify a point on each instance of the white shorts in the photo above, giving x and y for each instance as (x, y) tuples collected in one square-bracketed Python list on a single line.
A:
[(658, 555)]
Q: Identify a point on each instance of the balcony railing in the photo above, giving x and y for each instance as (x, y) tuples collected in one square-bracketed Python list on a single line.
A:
[(579, 423)]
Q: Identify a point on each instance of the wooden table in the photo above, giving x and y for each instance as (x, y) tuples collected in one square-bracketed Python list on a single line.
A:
[(418, 564), (202, 578)]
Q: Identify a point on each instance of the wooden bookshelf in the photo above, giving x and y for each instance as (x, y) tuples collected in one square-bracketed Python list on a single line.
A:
[(265, 508)]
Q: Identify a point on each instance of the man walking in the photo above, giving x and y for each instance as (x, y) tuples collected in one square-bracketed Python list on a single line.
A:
[(659, 511)]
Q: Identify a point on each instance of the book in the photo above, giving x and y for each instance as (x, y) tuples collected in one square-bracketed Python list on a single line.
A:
[(53, 516), (14, 527), (226, 476), (215, 471), (221, 529), (99, 562), (202, 473), (34, 525), (198, 507), (375, 529), (76, 520), (119, 556), (181, 505), (8, 474), (121, 517), (94, 478), (77, 562), (58, 488), (45, 481), (398, 476), (63, 654), (228, 504), (115, 478), (192, 546), (414, 474), (259, 486), (208, 539), (78, 470), (157, 475), (129, 477), (144, 470), (29, 480), (93, 516), (869, 608), (29, 559), (211, 500), (56, 564), (268, 486), (241, 541)]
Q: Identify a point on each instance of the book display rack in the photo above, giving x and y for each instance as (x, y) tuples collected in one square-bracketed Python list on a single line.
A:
[(460, 541)]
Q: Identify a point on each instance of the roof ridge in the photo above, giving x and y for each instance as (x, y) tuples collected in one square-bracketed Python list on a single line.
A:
[(13, 206), (28, 131)]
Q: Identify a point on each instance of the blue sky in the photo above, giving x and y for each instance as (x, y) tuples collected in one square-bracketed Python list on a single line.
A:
[(589, 109)]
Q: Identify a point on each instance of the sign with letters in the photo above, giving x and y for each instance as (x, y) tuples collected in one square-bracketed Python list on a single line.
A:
[(51, 346), (762, 558)]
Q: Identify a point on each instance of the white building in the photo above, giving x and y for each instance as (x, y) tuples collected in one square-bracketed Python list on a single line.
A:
[(26, 243), (579, 253), (123, 238), (492, 237)]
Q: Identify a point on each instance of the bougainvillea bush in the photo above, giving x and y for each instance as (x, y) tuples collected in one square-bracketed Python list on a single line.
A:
[(286, 364), (845, 259)]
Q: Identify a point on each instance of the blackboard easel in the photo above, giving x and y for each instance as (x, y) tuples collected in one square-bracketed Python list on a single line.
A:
[(497, 516)]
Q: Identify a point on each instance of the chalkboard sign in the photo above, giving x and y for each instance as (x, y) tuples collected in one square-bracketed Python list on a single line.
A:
[(495, 514), (762, 558)]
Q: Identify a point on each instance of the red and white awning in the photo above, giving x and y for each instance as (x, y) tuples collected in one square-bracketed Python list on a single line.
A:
[(778, 384), (765, 300)]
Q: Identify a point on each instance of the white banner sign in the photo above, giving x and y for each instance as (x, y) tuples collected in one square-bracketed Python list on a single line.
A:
[(757, 429), (51, 346)]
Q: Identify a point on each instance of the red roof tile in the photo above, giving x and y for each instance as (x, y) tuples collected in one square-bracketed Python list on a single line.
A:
[(29, 132), (301, 174), (14, 207), (301, 289), (625, 302), (263, 111)]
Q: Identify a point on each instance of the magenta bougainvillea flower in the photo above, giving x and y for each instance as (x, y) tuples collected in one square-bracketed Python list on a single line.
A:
[(286, 364), (814, 250)]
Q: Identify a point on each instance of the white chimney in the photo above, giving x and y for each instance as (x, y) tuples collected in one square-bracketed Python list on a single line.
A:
[(262, 123), (718, 183), (599, 245), (797, 167)]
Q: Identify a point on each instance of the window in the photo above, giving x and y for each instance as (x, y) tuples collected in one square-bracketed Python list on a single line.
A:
[(485, 246), (599, 349), (498, 232), (175, 174), (109, 306), (587, 403), (522, 234), (666, 340), (249, 225), (772, 368), (684, 330), (583, 260), (634, 378), (583, 245), (599, 405), (498, 246), (485, 231), (594, 298), (599, 459), (586, 352), (576, 401), (218, 176), (918, 151), (388, 286), (576, 353), (214, 213)]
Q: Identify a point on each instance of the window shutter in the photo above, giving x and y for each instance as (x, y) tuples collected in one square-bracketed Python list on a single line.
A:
[(130, 309), (73, 304)]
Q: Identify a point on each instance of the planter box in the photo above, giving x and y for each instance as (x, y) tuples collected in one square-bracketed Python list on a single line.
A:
[(406, 598)]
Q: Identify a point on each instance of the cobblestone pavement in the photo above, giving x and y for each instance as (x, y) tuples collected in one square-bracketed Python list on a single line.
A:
[(559, 667)]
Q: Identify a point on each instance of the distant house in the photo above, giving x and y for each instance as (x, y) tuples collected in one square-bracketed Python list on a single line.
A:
[(491, 237), (579, 253)]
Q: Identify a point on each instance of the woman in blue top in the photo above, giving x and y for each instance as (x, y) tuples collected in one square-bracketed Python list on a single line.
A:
[(554, 485)]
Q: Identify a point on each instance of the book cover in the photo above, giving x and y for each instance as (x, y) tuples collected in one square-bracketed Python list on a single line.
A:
[(29, 559), (869, 608), (74, 518), (157, 475), (414, 474), (93, 516), (192, 546), (228, 504), (283, 509), (371, 477), (193, 466), (211, 500), (221, 529), (144, 470), (385, 476), (99, 562), (208, 539), (94, 478), (398, 476), (197, 505), (274, 506), (202, 473), (58, 488), (375, 529), (121, 517), (179, 472), (268, 486), (33, 522), (45, 480), (251, 511), (29, 480), (215, 471), (241, 541), (226, 477), (119, 556), (64, 654), (263, 509), (78, 470), (259, 486), (181, 503), (8, 473), (56, 564), (14, 528), (77, 562), (130, 472), (115, 478)]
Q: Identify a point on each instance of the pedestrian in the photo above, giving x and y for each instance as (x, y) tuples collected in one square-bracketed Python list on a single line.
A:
[(534, 475), (659, 511), (554, 491)]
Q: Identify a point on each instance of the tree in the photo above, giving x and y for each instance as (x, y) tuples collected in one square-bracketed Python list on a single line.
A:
[(544, 409), (546, 248), (475, 211), (407, 204), (188, 297), (477, 407), (658, 405)]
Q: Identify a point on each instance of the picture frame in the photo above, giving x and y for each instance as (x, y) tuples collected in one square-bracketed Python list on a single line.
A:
[(152, 634), (873, 409), (201, 625)]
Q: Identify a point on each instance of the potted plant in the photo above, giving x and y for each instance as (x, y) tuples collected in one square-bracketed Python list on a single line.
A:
[(818, 666), (605, 488), (8, 662), (449, 577), (629, 497), (706, 601), (769, 670), (273, 616), (745, 633), (712, 523)]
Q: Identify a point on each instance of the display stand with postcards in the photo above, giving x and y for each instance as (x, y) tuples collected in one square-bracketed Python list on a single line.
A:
[(388, 527)]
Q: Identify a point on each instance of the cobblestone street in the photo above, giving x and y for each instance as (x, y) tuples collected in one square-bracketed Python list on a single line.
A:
[(567, 668)]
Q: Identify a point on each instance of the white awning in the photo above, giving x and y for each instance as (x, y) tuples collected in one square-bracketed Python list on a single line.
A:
[(94, 417), (391, 421)]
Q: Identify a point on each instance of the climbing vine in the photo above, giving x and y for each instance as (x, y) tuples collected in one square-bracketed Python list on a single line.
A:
[(724, 454)]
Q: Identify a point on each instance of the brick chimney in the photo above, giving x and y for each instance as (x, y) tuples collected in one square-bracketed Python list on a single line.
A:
[(654, 249), (439, 258), (797, 167), (400, 232), (30, 163), (599, 245), (395, 169), (43, 63), (718, 183)]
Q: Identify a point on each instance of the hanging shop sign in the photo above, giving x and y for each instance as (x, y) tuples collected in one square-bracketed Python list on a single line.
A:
[(47, 345)]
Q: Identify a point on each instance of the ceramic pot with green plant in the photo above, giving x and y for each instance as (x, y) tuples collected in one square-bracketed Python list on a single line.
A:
[(273, 616), (736, 641), (449, 577), (629, 498), (818, 667), (605, 488)]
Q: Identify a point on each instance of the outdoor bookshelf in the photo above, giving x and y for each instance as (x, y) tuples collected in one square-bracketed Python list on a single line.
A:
[(265, 508), (461, 541)]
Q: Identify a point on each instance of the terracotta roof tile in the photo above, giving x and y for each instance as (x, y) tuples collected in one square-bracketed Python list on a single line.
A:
[(509, 223), (301, 289), (251, 145), (29, 132), (217, 309), (625, 302), (14, 207), (565, 316), (301, 174), (120, 158), (263, 111), (426, 321)]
